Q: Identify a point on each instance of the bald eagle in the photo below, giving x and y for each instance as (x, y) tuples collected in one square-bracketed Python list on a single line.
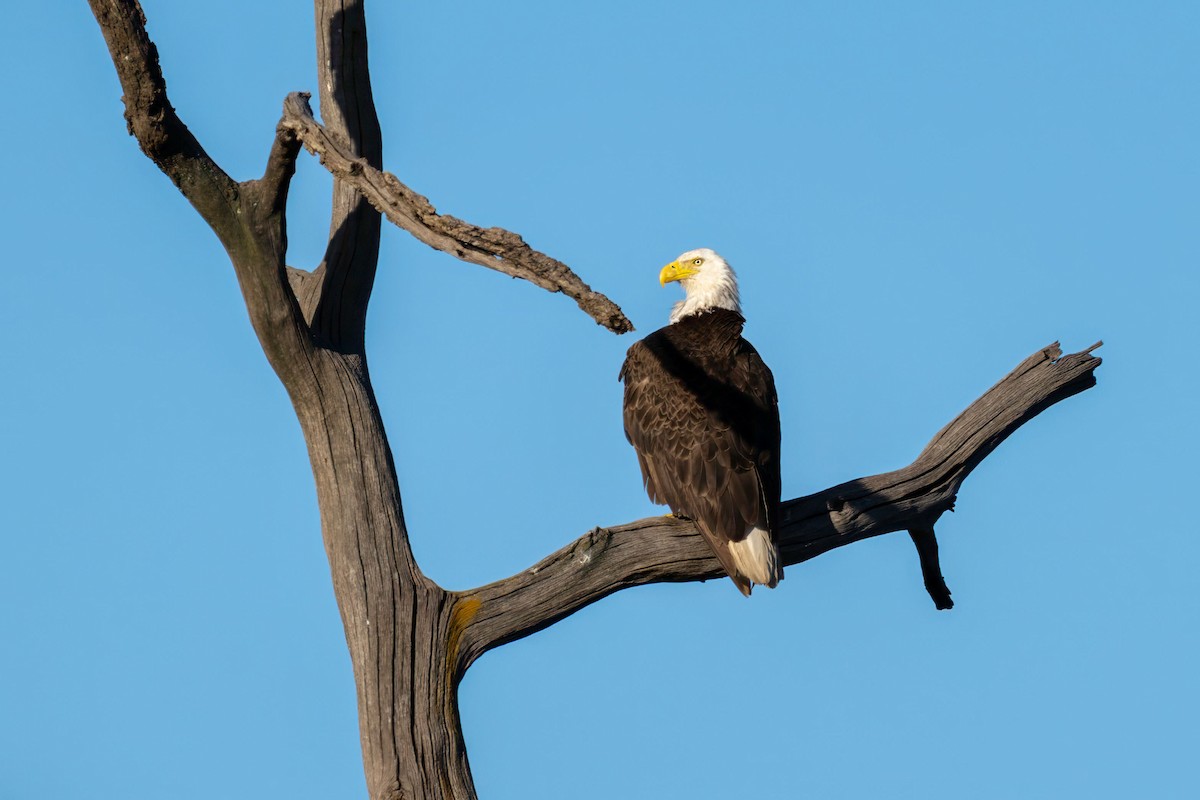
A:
[(701, 412)]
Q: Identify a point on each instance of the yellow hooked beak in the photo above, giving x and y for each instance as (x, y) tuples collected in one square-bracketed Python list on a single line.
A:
[(675, 272)]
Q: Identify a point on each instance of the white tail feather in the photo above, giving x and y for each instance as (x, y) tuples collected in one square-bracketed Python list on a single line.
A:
[(757, 558)]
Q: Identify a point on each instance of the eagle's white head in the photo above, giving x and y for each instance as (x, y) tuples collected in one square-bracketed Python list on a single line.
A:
[(707, 281)]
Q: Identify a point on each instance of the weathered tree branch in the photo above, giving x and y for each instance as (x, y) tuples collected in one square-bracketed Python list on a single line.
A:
[(248, 218), (281, 167), (494, 248), (152, 120), (665, 549), (348, 107), (931, 568)]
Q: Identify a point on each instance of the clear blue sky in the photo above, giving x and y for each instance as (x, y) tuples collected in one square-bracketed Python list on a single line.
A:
[(916, 196)]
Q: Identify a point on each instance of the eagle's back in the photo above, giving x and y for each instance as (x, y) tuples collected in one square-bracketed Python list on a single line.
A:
[(702, 413)]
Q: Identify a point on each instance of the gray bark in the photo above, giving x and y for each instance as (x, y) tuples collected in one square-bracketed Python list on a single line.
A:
[(411, 641)]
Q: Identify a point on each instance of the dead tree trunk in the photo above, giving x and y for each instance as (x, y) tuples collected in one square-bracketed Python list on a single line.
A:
[(411, 641)]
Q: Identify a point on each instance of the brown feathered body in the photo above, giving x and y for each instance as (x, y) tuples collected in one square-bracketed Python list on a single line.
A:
[(702, 414)]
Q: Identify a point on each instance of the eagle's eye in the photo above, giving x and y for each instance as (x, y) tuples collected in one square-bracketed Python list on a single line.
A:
[(698, 261)]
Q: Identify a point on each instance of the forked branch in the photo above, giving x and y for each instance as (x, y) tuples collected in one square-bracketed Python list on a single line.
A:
[(494, 248), (664, 549), (152, 120), (247, 217)]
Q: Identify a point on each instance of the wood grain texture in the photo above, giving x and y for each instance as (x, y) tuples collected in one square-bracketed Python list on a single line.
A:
[(397, 621), (347, 272)]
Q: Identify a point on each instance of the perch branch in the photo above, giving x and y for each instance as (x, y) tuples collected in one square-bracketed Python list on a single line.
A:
[(494, 248), (665, 549)]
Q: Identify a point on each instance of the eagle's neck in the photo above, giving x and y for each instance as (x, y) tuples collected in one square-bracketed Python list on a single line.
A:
[(708, 291)]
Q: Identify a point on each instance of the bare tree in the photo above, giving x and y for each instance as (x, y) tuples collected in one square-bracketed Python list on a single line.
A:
[(410, 640)]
